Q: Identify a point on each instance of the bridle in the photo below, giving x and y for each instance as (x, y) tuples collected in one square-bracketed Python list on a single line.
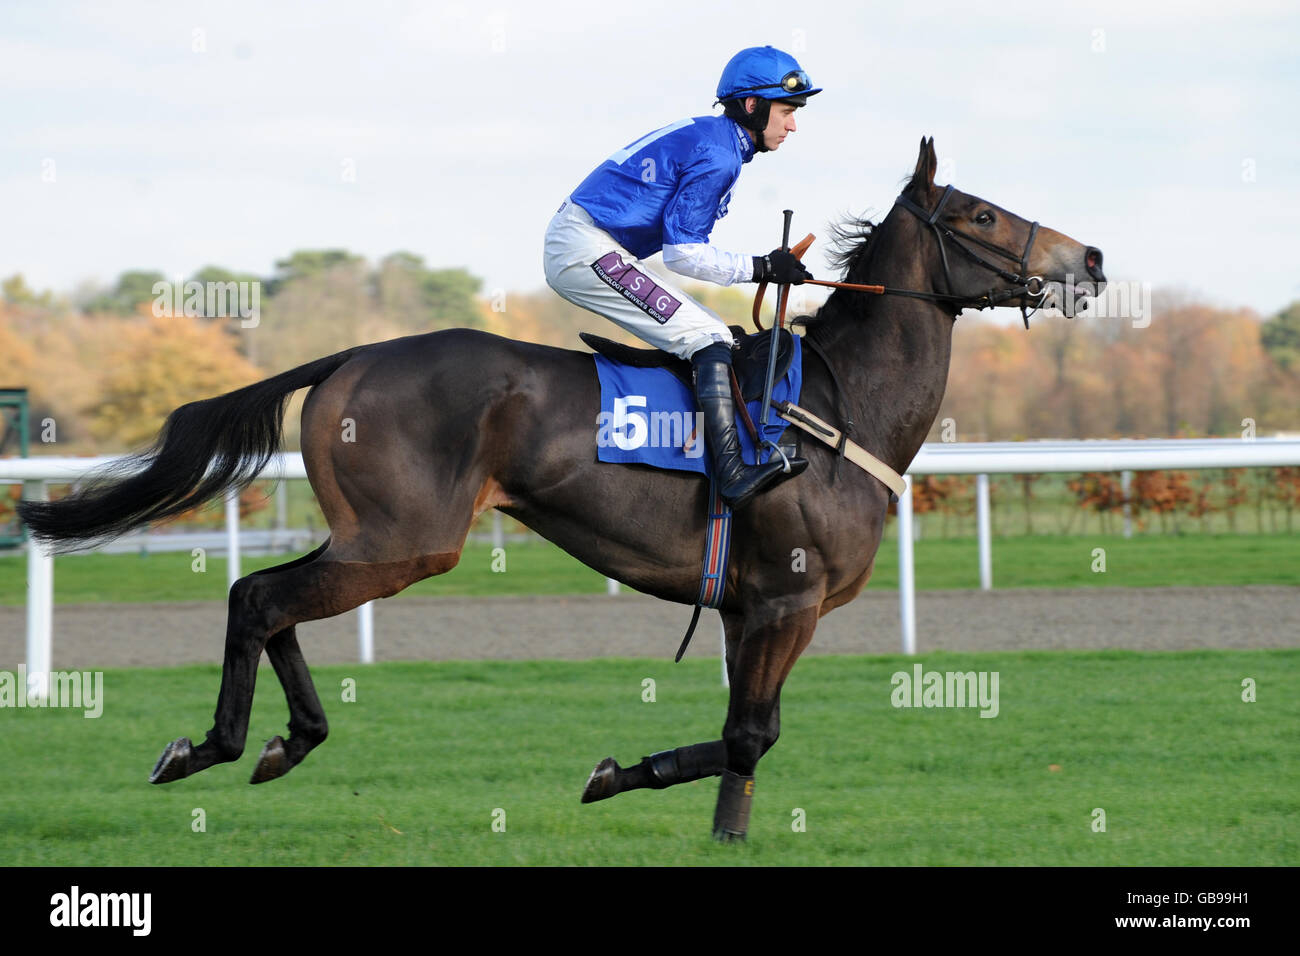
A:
[(1021, 283)]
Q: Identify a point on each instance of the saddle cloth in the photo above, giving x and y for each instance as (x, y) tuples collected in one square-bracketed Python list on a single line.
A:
[(649, 416)]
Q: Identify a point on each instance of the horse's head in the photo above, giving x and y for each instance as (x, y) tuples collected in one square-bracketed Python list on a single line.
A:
[(992, 257)]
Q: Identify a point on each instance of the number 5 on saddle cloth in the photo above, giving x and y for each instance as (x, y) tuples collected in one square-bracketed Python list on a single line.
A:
[(648, 413)]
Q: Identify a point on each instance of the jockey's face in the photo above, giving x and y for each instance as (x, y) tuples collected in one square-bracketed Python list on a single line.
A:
[(780, 122)]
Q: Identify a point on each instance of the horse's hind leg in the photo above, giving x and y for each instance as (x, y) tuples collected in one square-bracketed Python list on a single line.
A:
[(178, 759), (308, 727), (265, 606), (307, 724)]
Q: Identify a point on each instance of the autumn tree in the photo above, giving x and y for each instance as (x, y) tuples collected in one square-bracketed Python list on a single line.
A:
[(17, 358), (318, 303), (1280, 337), (131, 290), (15, 291), (158, 364), (324, 301), (222, 275), (416, 298), (311, 264), (1194, 370)]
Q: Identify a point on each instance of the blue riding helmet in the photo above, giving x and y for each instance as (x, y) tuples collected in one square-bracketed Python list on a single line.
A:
[(767, 73)]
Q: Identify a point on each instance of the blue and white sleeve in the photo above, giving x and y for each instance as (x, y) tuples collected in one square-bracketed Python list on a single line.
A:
[(699, 260)]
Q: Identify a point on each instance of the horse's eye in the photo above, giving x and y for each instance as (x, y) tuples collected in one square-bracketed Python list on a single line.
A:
[(984, 218)]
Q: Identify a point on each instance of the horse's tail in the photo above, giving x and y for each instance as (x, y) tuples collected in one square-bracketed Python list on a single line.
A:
[(205, 449)]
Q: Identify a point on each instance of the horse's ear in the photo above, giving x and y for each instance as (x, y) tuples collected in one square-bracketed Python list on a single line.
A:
[(926, 165)]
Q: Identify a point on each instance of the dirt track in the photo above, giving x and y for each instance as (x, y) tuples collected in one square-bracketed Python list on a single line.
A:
[(160, 635)]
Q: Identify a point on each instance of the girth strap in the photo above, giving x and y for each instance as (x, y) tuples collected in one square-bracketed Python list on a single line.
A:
[(836, 394), (828, 434)]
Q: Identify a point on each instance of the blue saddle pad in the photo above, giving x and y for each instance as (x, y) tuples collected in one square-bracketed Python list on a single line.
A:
[(649, 417)]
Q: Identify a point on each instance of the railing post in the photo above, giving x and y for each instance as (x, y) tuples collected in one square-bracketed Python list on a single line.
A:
[(40, 606), (366, 632), (906, 575), (985, 538), (1126, 485), (722, 638), (279, 540), (232, 538)]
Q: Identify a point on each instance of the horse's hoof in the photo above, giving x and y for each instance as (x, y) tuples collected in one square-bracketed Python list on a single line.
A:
[(723, 835), (174, 762), (273, 762), (602, 782)]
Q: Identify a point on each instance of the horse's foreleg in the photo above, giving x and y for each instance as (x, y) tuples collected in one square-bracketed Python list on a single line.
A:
[(766, 654), (668, 767), (656, 772)]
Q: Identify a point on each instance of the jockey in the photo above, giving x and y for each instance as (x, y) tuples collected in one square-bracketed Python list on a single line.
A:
[(663, 193)]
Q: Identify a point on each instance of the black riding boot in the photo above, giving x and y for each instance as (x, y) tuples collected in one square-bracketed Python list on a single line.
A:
[(737, 481)]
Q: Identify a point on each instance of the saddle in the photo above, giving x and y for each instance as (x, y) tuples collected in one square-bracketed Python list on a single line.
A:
[(749, 361)]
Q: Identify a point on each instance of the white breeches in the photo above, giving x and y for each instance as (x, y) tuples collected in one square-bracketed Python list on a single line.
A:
[(588, 267)]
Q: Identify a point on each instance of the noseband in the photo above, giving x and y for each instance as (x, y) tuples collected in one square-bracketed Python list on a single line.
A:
[(1021, 284)]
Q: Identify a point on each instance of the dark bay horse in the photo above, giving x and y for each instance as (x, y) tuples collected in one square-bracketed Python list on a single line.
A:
[(407, 441)]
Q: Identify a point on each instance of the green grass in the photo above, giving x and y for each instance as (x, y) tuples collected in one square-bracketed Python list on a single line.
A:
[(1040, 561), (412, 773), (537, 567)]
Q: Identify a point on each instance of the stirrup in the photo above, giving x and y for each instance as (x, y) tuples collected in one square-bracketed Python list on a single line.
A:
[(785, 462)]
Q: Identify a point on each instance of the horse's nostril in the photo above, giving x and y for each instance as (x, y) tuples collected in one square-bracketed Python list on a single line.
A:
[(1093, 260)]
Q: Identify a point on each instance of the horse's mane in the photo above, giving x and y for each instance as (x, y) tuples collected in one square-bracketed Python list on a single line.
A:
[(850, 247), (850, 241), (850, 251)]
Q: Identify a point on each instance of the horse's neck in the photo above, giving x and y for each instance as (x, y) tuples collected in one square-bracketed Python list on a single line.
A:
[(890, 353)]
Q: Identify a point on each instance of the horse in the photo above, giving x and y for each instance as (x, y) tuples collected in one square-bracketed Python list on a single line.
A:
[(407, 441)]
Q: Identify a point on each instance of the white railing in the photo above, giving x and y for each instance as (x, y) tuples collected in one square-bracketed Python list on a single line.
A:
[(980, 459), (1042, 457)]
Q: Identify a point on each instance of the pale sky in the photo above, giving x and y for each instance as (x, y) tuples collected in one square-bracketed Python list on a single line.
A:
[(173, 135)]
